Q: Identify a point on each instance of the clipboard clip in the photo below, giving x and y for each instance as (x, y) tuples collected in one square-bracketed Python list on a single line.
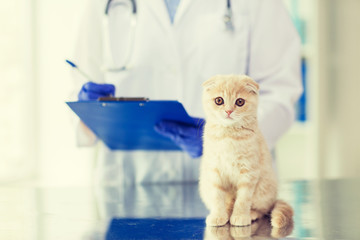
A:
[(123, 99)]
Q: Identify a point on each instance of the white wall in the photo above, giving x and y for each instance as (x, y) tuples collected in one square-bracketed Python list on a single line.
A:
[(18, 137), (339, 52)]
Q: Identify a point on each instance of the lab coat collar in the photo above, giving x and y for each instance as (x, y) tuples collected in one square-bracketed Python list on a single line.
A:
[(182, 9)]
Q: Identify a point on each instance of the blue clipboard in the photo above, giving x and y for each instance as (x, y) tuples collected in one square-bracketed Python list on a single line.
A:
[(129, 125)]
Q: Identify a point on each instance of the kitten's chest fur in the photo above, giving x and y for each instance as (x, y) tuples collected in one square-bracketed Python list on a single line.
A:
[(231, 144), (234, 154)]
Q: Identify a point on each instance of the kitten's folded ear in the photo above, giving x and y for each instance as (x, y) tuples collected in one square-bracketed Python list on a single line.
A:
[(208, 84), (251, 85)]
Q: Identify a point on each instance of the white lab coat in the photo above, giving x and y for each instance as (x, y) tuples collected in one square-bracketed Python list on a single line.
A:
[(171, 61)]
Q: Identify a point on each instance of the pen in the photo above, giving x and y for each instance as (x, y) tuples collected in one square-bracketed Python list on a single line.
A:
[(77, 68)]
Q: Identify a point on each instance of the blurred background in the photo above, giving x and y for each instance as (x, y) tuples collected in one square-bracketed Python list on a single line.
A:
[(37, 139)]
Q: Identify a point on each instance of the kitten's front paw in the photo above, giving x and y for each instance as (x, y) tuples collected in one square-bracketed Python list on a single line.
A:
[(240, 220), (216, 220)]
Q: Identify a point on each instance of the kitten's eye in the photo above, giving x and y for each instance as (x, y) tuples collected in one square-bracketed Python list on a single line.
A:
[(240, 102), (219, 101)]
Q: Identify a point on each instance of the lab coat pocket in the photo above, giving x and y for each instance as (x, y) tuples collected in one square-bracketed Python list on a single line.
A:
[(223, 51)]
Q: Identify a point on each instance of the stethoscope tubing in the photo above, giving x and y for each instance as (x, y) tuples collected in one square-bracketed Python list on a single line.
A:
[(133, 4)]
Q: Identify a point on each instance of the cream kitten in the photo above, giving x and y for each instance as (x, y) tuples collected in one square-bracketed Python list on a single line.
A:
[(237, 181)]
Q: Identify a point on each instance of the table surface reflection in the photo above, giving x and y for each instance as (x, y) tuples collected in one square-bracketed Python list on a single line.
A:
[(326, 209)]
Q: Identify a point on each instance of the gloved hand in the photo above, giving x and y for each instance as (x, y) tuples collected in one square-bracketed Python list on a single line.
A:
[(187, 136), (92, 91)]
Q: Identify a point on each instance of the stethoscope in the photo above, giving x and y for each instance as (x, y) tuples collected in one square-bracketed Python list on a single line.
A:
[(228, 21)]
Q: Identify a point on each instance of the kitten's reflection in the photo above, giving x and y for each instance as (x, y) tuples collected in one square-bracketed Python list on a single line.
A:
[(260, 229)]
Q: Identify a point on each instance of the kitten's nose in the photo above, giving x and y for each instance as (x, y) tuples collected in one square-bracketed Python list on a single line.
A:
[(228, 112)]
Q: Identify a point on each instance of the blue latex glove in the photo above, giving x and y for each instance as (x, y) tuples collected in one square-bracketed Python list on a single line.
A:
[(92, 91), (187, 136)]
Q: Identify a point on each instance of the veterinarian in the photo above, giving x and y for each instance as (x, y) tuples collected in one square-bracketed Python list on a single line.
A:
[(164, 50)]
